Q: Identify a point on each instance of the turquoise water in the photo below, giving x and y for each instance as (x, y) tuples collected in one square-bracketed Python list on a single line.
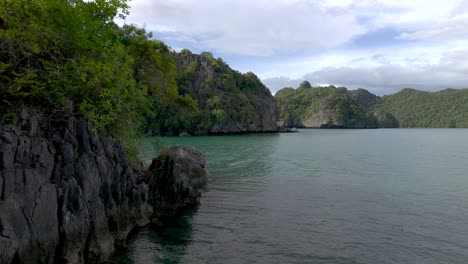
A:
[(322, 196)]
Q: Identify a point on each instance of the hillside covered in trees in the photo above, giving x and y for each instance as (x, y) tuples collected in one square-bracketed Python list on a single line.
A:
[(71, 54), (413, 108), (325, 107), (221, 100), (330, 106)]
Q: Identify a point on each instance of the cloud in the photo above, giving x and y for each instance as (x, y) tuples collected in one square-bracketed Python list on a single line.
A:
[(265, 28), (436, 21), (382, 45), (449, 72), (453, 29), (249, 27)]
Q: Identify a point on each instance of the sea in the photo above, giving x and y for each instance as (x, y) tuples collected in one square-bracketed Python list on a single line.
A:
[(333, 196)]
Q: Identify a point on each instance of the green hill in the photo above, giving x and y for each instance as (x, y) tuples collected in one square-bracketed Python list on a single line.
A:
[(413, 108), (322, 107), (339, 107)]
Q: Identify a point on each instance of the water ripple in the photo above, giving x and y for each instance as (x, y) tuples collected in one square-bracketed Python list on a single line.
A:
[(323, 196)]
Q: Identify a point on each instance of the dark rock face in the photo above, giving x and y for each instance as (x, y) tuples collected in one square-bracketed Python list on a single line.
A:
[(68, 195), (176, 180)]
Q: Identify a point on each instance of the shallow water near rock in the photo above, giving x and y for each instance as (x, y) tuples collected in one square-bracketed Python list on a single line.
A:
[(321, 196)]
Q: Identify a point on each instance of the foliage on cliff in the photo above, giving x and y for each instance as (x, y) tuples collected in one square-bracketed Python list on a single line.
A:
[(407, 108), (227, 101), (413, 108), (54, 51), (335, 107)]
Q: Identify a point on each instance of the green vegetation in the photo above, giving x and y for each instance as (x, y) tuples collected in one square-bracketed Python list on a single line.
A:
[(364, 98), (62, 55), (158, 144), (360, 108), (226, 100), (322, 107), (413, 108), (55, 51)]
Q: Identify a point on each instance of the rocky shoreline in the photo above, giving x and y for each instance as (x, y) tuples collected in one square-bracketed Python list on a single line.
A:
[(69, 195)]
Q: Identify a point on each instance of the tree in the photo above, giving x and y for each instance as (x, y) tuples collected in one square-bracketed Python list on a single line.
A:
[(52, 51), (305, 84)]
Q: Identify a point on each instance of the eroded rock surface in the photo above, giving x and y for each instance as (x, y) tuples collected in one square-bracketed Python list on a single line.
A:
[(69, 195)]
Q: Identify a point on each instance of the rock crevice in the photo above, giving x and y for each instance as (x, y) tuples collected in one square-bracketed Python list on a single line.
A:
[(69, 195)]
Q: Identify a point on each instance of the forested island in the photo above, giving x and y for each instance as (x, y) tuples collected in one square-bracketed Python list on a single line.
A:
[(338, 107)]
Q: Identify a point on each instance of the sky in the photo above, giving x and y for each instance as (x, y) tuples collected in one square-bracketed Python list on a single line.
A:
[(379, 45)]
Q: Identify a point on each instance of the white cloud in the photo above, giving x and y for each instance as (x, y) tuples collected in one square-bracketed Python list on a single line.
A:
[(449, 29), (389, 77), (249, 27), (266, 27)]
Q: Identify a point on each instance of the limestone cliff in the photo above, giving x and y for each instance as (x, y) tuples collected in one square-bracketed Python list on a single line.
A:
[(323, 107), (229, 101), (69, 195)]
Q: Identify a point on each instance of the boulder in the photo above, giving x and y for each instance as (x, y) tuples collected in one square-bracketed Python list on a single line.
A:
[(184, 134), (176, 179), (293, 130)]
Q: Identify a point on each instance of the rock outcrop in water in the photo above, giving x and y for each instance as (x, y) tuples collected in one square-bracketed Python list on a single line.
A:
[(68, 195), (176, 180)]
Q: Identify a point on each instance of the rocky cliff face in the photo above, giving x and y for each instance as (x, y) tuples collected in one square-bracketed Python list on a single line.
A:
[(322, 119), (68, 195), (238, 102), (327, 118)]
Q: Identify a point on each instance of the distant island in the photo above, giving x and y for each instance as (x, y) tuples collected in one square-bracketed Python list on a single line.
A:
[(338, 107)]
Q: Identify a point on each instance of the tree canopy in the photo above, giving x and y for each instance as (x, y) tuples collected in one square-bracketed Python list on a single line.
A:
[(297, 105), (54, 51), (413, 108), (120, 78)]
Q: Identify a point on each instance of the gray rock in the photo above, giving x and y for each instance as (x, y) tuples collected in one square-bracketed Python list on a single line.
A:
[(177, 179), (184, 134), (68, 195)]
